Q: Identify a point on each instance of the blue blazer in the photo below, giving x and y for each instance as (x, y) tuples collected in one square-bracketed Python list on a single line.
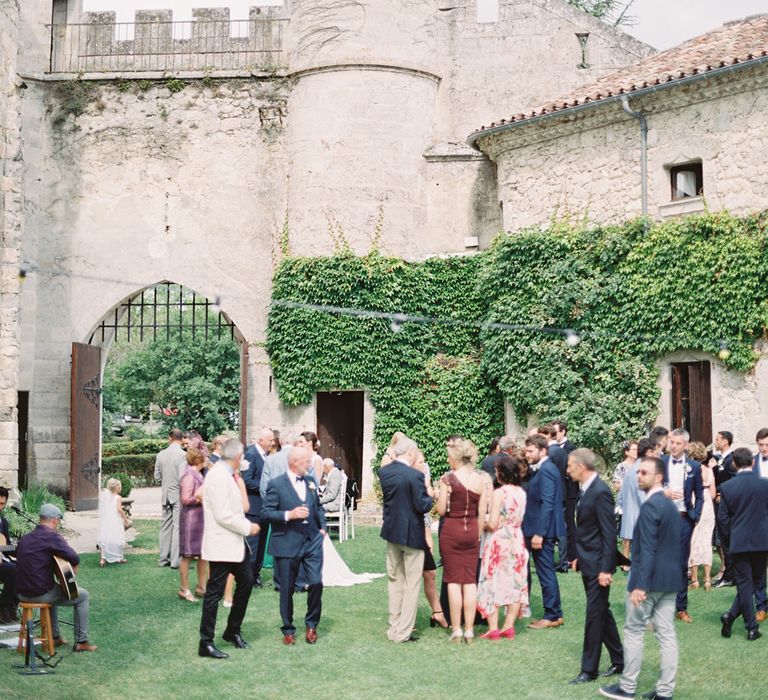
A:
[(252, 481), (288, 538), (656, 547), (756, 465), (405, 502), (692, 486), (544, 506), (743, 513)]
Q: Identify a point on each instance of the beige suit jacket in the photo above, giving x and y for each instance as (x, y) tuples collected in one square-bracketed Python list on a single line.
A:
[(225, 523)]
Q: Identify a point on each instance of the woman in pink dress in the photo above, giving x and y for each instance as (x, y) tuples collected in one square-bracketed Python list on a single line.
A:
[(504, 568), (191, 524)]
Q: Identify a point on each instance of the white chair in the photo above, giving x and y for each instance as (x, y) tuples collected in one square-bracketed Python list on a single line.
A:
[(338, 519)]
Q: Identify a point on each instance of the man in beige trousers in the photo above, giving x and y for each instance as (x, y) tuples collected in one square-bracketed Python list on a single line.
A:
[(405, 502)]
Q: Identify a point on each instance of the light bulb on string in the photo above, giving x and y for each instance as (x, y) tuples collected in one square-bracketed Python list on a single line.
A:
[(572, 338), (216, 306), (724, 352), (397, 323)]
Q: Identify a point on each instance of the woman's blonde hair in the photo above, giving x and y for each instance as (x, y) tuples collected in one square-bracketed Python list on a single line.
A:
[(463, 451)]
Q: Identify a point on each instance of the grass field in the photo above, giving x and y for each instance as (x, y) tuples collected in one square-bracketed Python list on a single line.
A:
[(147, 640)]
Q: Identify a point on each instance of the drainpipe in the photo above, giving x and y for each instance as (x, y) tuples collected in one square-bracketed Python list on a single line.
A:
[(643, 155)]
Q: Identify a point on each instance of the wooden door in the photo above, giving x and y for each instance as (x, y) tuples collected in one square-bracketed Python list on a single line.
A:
[(23, 424), (340, 431), (85, 422), (692, 399)]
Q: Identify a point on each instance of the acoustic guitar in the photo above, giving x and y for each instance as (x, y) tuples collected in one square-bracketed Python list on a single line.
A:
[(65, 575), (5, 547)]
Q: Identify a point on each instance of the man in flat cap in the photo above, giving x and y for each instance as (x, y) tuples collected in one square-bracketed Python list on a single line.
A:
[(35, 569)]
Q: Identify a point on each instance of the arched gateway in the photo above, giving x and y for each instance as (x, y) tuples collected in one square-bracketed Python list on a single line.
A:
[(164, 311)]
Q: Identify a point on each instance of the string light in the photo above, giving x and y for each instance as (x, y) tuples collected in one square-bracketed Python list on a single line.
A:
[(396, 320)]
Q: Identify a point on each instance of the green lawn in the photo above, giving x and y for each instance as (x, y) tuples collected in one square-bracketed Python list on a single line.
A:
[(147, 641)]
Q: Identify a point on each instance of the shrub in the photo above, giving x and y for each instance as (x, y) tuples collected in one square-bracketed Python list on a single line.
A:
[(30, 503), (141, 466), (133, 447)]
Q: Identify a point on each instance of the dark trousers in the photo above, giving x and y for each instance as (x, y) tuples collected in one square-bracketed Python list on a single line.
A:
[(258, 545), (599, 628), (570, 527), (749, 572), (686, 532), (727, 572), (310, 559), (8, 597), (214, 592), (544, 560)]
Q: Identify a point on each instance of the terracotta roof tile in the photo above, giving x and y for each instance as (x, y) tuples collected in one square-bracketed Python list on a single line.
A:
[(733, 43)]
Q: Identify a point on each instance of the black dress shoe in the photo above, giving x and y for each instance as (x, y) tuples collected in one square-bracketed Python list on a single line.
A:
[(653, 695), (752, 635), (257, 582), (207, 649), (582, 678), (612, 670), (727, 621), (236, 639), (724, 583)]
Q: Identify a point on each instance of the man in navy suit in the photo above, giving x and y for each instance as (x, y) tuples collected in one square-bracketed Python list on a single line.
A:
[(743, 519), (255, 455), (298, 526), (653, 582), (405, 502), (559, 457), (543, 524), (684, 487), (761, 469), (596, 559)]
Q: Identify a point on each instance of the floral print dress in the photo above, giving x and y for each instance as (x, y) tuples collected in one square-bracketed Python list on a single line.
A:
[(504, 569)]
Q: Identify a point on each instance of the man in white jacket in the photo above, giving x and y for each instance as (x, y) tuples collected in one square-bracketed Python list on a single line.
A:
[(225, 550)]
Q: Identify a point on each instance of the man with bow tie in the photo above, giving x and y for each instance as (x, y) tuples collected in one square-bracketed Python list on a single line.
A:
[(722, 466), (684, 487), (298, 526), (760, 468)]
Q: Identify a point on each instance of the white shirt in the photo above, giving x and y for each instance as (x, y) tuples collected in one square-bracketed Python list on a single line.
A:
[(584, 486), (677, 480), (299, 485), (763, 466)]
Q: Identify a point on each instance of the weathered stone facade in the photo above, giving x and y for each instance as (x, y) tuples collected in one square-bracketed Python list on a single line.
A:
[(10, 238), (137, 177)]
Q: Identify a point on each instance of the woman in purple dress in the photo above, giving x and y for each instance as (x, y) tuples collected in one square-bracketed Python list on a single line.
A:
[(191, 524)]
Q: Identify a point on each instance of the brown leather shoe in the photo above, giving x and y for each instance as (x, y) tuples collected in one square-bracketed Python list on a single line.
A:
[(84, 646), (289, 639), (761, 616), (545, 624), (684, 616), (311, 635), (60, 642)]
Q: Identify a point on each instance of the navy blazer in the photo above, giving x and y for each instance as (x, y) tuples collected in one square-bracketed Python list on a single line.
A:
[(743, 513), (656, 547), (725, 470), (544, 506), (596, 530), (252, 481), (692, 486), (405, 502), (287, 538)]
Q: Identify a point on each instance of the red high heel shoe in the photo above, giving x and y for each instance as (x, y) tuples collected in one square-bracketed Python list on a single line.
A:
[(493, 635), (508, 633)]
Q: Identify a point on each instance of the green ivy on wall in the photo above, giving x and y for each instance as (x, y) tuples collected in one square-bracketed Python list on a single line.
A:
[(633, 296)]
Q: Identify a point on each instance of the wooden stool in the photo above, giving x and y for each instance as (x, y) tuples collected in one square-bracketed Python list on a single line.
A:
[(46, 629)]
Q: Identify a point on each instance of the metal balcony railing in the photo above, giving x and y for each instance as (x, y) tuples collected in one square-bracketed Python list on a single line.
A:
[(167, 46)]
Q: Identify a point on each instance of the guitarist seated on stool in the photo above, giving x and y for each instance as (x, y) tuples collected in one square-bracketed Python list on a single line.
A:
[(35, 569), (8, 600)]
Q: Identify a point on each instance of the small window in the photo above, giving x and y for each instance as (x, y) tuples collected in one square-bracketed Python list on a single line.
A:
[(687, 180)]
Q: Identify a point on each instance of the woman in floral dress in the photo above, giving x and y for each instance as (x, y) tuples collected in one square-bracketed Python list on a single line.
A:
[(504, 570)]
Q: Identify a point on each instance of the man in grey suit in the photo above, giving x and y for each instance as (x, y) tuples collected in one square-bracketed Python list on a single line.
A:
[(169, 465), (332, 497), (277, 463)]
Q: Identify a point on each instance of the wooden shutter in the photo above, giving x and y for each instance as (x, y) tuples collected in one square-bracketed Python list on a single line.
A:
[(85, 427)]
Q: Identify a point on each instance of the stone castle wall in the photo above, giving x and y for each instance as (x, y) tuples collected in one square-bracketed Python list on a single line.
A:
[(10, 239), (193, 177)]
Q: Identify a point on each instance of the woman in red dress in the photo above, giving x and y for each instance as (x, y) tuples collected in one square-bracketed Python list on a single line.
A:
[(463, 495)]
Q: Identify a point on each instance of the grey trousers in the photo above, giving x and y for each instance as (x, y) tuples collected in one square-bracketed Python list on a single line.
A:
[(658, 608), (169, 535), (56, 598), (405, 567)]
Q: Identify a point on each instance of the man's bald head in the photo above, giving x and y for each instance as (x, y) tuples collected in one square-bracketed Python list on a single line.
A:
[(265, 439), (298, 461)]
